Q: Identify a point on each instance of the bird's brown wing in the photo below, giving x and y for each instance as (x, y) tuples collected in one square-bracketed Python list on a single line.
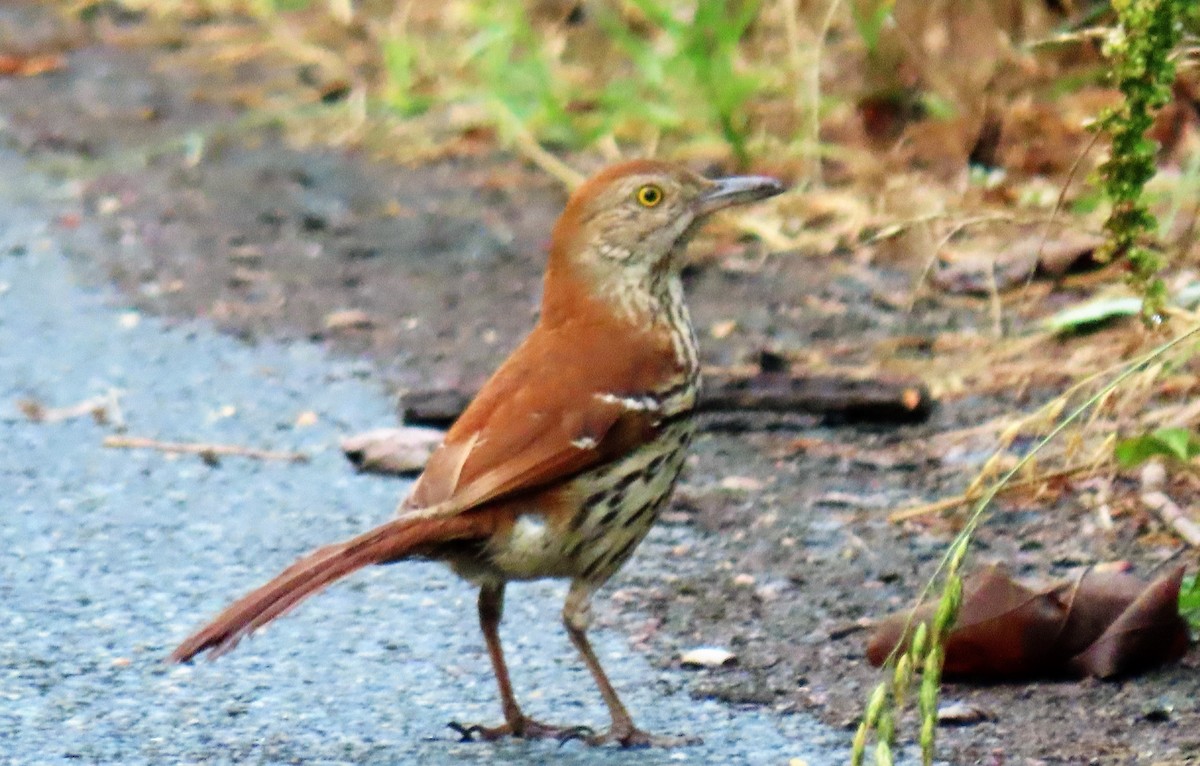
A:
[(552, 410)]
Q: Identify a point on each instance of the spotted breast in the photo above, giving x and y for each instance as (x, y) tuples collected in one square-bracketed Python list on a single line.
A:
[(613, 506)]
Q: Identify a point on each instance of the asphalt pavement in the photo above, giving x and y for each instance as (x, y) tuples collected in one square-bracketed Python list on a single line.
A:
[(109, 557)]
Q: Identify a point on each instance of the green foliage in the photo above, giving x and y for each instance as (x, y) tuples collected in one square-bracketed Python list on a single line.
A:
[(1088, 201), (1173, 443), (1139, 48), (870, 17), (926, 650), (682, 71), (400, 60), (710, 46), (645, 97), (702, 57), (515, 68), (1189, 601)]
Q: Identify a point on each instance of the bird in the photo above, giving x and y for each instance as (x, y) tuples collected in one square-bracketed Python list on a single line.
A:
[(561, 463)]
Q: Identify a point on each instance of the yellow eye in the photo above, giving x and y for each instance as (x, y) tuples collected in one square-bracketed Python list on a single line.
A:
[(649, 195)]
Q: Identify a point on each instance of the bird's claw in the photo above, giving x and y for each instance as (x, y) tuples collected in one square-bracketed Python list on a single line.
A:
[(467, 732), (528, 728), (521, 728), (569, 733)]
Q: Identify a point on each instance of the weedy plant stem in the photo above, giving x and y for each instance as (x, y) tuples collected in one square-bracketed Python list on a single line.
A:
[(1140, 48), (812, 110), (926, 649)]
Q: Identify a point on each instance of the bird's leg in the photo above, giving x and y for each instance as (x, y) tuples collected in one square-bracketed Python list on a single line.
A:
[(516, 723), (576, 616)]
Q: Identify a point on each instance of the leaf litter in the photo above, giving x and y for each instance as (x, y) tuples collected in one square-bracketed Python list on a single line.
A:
[(1101, 622), (839, 259)]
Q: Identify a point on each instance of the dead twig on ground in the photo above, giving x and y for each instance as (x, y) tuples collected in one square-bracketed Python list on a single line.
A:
[(1173, 516), (104, 409), (1154, 478), (840, 398), (207, 451)]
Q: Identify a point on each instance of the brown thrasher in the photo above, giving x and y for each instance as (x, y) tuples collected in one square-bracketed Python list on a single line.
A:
[(560, 465)]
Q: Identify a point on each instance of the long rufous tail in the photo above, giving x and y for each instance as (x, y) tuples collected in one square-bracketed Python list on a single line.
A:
[(389, 542)]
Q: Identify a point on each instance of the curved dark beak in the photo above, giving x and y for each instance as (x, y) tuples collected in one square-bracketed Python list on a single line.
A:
[(736, 190)]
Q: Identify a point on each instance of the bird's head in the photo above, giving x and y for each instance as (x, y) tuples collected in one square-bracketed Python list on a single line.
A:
[(631, 221)]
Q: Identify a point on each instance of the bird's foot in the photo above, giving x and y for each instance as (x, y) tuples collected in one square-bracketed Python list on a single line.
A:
[(522, 728), (631, 736)]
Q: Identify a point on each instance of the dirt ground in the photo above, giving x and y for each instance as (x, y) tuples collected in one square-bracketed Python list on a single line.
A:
[(777, 544)]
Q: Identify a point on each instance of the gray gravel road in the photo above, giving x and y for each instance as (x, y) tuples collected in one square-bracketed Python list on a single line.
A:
[(109, 557)]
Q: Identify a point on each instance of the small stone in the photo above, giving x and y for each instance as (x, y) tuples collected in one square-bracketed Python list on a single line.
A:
[(961, 714), (402, 451), (722, 329), (707, 657), (1159, 710), (741, 483), (1154, 475), (770, 591), (306, 419), (348, 319)]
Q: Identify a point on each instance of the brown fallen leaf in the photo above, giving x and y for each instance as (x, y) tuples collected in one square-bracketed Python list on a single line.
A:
[(1147, 631), (973, 271), (1070, 251), (403, 451), (1100, 623)]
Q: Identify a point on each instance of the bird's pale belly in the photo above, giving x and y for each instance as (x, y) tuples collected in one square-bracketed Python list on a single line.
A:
[(618, 503)]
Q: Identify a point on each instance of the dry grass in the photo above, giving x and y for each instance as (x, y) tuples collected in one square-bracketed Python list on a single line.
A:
[(817, 95), (832, 99)]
